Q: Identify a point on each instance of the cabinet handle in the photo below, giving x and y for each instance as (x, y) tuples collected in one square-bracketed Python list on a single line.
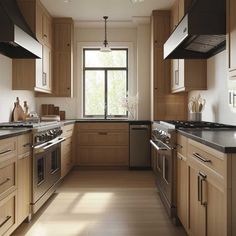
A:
[(102, 133), (5, 181), (198, 189), (199, 157), (202, 180), (68, 44), (5, 221), (27, 145), (6, 151), (176, 77)]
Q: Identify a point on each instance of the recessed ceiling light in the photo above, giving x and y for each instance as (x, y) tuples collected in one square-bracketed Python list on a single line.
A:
[(67, 1), (136, 1)]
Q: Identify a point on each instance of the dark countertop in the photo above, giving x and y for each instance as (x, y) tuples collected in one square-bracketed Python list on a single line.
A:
[(223, 140), (11, 132), (72, 121)]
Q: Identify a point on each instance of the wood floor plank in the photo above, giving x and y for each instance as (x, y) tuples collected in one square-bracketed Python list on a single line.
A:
[(103, 203)]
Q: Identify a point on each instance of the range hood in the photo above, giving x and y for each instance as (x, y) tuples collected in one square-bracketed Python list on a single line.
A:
[(16, 38), (201, 33)]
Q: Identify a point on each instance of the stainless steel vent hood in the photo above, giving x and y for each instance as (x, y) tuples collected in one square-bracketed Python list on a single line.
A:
[(16, 38), (200, 34)]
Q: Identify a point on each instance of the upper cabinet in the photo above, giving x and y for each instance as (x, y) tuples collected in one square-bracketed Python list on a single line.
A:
[(186, 75), (35, 74), (231, 38), (63, 29), (164, 105)]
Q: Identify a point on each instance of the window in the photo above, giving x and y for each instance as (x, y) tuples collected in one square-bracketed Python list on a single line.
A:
[(105, 82)]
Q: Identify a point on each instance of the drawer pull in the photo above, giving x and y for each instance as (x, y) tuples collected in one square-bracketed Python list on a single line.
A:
[(199, 157), (27, 145), (5, 181), (5, 221), (102, 133), (6, 151)]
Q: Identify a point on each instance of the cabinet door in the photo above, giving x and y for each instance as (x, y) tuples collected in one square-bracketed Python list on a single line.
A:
[(175, 15), (197, 212), (46, 78), (216, 208), (23, 190), (231, 42), (182, 188), (39, 23), (62, 74), (62, 34), (47, 30)]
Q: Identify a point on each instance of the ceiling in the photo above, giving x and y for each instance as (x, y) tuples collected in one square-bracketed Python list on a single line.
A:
[(94, 10)]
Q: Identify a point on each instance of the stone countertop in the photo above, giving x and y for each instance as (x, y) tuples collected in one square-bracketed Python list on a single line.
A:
[(12, 132), (223, 140), (72, 121)]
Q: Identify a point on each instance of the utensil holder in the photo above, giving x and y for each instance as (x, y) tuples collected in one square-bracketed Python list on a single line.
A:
[(195, 116)]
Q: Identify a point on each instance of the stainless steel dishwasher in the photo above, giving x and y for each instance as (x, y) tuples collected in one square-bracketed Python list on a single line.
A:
[(139, 146)]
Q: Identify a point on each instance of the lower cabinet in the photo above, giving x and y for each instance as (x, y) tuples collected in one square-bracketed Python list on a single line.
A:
[(103, 144), (8, 221)]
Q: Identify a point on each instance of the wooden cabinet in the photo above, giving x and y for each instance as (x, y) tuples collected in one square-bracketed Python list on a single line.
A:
[(186, 75), (208, 190), (29, 74), (63, 57), (182, 181), (67, 150), (231, 38), (103, 144), (23, 177), (164, 105)]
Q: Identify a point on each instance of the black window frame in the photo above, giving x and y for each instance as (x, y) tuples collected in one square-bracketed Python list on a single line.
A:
[(105, 69)]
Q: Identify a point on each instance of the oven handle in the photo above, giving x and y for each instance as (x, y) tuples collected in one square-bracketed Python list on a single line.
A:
[(40, 148), (157, 147)]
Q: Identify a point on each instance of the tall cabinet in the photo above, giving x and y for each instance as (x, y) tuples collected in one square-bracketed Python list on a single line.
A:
[(164, 105), (186, 75)]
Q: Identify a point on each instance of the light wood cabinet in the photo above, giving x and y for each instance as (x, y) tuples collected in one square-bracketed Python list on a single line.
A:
[(23, 177), (231, 38), (208, 190), (8, 221), (186, 75), (164, 105), (103, 144), (67, 149), (63, 57), (182, 181), (30, 74)]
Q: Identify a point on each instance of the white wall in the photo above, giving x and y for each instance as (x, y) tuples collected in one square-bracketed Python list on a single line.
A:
[(7, 95), (217, 109), (139, 37)]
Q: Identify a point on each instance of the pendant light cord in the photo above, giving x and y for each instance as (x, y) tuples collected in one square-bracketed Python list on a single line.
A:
[(105, 41)]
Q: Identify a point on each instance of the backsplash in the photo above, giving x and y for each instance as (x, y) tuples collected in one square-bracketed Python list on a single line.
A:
[(7, 95), (217, 108)]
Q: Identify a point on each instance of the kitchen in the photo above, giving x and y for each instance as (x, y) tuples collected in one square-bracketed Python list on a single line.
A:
[(89, 188)]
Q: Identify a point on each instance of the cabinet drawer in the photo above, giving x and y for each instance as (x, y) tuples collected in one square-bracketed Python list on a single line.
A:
[(182, 145), (103, 138), (24, 143), (7, 176), (7, 213), (207, 157), (103, 156), (68, 130), (122, 127), (8, 148)]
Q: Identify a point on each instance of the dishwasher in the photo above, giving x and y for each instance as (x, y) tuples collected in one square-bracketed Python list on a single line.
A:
[(139, 146)]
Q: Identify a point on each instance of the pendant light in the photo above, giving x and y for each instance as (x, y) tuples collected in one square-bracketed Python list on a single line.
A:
[(105, 47)]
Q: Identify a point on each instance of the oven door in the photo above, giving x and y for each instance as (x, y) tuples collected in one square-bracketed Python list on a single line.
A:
[(164, 169)]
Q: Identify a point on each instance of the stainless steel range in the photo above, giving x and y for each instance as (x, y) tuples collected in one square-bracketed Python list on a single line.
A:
[(46, 163), (164, 156)]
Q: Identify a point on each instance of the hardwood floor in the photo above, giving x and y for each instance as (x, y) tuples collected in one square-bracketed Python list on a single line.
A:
[(103, 203)]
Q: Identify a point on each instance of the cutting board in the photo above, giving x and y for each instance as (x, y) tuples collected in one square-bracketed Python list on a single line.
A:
[(18, 112)]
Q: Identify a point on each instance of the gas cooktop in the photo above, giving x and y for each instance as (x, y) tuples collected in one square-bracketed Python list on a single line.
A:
[(175, 124)]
